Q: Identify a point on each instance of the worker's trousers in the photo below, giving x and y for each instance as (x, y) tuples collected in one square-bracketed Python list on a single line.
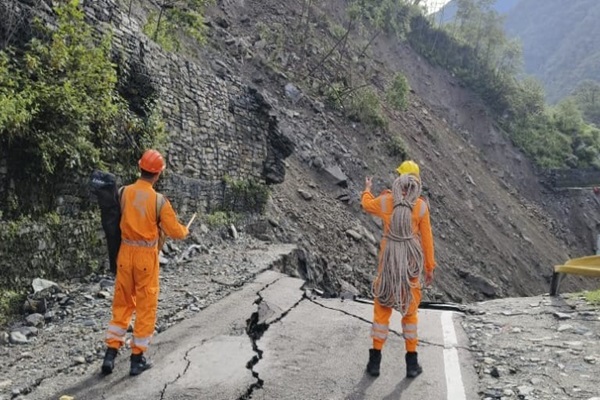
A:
[(381, 323), (136, 289)]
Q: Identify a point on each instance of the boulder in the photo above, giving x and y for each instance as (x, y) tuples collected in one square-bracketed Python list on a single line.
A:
[(17, 337), (336, 175)]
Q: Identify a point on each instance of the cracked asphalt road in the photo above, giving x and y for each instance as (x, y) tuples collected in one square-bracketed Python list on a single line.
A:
[(270, 340)]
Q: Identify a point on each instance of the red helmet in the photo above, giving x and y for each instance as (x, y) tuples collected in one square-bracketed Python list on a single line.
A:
[(152, 161)]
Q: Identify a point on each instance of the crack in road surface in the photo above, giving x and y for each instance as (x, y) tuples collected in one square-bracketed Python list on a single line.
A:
[(185, 370), (421, 341), (255, 331)]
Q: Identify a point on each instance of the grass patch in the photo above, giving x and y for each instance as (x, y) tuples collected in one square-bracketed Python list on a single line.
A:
[(365, 107), (245, 196), (396, 148), (397, 93), (10, 305), (593, 297), (219, 219)]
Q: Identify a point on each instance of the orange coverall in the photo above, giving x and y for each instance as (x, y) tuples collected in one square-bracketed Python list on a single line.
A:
[(136, 286), (383, 207)]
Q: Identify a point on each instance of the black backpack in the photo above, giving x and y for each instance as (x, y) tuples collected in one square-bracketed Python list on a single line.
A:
[(104, 186)]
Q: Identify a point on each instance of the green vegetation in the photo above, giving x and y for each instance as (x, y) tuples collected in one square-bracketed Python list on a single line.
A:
[(561, 42), (397, 148), (390, 16), (10, 305), (365, 107), (244, 196), (219, 219), (175, 18), (337, 31), (474, 48), (274, 37), (593, 297), (397, 94), (336, 71), (61, 115), (333, 96), (587, 97)]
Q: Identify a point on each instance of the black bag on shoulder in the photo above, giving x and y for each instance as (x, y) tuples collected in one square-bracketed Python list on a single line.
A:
[(104, 186)]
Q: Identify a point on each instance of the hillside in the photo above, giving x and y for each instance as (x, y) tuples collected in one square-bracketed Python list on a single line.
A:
[(259, 101), (560, 40), (490, 214), (270, 127)]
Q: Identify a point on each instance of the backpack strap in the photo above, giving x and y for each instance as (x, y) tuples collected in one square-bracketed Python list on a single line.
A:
[(160, 202), (121, 190), (162, 237)]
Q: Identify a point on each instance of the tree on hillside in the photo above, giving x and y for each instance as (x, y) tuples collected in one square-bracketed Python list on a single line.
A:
[(176, 17), (60, 113), (528, 99), (585, 139), (587, 97), (568, 117), (478, 25), (476, 50)]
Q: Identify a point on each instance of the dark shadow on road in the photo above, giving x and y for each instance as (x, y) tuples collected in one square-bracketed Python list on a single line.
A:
[(557, 301), (359, 391), (400, 387), (93, 387)]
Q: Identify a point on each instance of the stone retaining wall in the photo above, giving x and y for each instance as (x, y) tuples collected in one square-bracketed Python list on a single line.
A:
[(218, 126)]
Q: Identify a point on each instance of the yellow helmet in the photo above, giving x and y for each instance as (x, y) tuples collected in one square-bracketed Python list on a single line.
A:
[(409, 167)]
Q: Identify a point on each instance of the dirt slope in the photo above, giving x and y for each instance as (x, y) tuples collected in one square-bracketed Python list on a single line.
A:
[(497, 232)]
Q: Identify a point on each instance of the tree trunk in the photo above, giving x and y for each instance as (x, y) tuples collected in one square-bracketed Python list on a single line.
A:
[(155, 38)]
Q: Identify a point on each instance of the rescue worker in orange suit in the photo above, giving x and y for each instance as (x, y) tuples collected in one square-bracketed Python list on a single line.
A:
[(143, 213), (406, 250)]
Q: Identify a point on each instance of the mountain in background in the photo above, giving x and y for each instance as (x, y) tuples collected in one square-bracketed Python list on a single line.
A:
[(561, 39), (447, 13), (561, 42)]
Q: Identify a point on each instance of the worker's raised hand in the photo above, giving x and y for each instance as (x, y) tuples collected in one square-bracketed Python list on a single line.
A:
[(368, 183)]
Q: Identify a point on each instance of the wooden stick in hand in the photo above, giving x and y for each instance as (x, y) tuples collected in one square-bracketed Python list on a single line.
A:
[(191, 220)]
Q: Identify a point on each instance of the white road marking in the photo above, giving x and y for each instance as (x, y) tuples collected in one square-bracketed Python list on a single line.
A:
[(454, 383)]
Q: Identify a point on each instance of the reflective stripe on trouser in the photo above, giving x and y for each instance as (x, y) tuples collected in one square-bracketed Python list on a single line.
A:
[(136, 289), (379, 331), (115, 335), (382, 316), (141, 343)]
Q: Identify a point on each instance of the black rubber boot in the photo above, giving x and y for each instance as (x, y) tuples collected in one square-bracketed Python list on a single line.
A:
[(139, 364), (374, 362), (109, 361), (413, 368)]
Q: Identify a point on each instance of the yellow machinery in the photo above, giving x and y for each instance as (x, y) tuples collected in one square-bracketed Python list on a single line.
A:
[(585, 266)]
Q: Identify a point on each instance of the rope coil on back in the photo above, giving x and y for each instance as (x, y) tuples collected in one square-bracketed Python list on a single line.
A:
[(402, 258)]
